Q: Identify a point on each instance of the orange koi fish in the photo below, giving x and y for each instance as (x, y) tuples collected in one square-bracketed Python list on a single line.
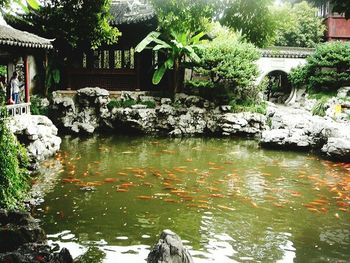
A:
[(122, 190), (145, 197), (169, 200), (110, 180), (226, 208)]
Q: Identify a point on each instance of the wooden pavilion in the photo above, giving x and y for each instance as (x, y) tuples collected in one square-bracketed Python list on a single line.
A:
[(338, 28), (20, 50), (117, 67)]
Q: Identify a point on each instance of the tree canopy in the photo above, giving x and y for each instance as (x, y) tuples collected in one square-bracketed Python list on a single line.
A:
[(82, 24), (184, 15), (298, 25), (252, 18)]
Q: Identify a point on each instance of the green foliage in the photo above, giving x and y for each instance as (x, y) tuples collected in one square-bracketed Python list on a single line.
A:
[(251, 17), (184, 15), (226, 62), (327, 69), (3, 70), (297, 76), (74, 24), (298, 25), (248, 106), (36, 107), (13, 168), (320, 107), (177, 48), (150, 104)]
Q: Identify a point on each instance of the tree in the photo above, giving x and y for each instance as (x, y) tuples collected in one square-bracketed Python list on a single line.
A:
[(326, 70), (184, 15), (298, 25), (74, 24), (252, 17), (176, 50)]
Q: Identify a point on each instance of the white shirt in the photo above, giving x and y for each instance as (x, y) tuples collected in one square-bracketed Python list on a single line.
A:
[(14, 86)]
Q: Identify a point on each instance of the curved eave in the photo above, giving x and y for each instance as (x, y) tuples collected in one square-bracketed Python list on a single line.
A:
[(14, 43), (129, 20), (287, 52)]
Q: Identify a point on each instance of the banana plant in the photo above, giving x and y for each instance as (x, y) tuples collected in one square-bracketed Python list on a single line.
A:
[(179, 47)]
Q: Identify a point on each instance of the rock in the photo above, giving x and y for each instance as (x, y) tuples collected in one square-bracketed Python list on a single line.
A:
[(298, 129), (165, 101), (18, 228), (85, 113), (169, 249), (139, 106), (245, 123), (23, 241), (338, 148), (343, 92), (38, 134), (225, 108)]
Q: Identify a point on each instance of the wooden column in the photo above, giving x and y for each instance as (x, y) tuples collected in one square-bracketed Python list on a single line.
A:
[(137, 68), (26, 79)]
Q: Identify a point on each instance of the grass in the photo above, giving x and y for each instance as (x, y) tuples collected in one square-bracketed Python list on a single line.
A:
[(320, 107), (247, 106)]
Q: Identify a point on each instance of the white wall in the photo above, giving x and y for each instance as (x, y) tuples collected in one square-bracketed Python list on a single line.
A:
[(266, 65)]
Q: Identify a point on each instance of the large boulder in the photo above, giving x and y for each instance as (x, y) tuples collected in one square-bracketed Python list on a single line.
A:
[(84, 112), (37, 133), (298, 129), (23, 241), (169, 249), (244, 123)]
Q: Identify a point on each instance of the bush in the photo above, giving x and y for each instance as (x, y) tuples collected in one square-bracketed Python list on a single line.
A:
[(320, 107), (226, 62), (248, 106), (37, 107), (327, 69), (13, 168)]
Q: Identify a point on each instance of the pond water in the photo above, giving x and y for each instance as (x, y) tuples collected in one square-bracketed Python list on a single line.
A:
[(229, 200)]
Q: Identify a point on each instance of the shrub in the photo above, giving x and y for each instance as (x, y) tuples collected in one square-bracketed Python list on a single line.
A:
[(37, 107), (114, 104), (327, 69), (13, 168), (249, 106), (320, 107), (226, 62)]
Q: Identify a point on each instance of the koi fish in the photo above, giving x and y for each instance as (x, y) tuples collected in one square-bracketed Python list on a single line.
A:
[(169, 200), (123, 174), (217, 195), (122, 190), (126, 185), (226, 208), (145, 197), (110, 180), (71, 180)]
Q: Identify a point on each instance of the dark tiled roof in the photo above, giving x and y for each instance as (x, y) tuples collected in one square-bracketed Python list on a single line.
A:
[(10, 36), (286, 52), (130, 12)]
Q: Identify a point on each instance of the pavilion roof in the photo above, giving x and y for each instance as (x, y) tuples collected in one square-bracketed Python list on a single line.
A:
[(10, 36), (131, 12), (286, 52)]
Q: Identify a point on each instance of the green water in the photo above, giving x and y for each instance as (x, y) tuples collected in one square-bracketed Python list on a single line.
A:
[(229, 200)]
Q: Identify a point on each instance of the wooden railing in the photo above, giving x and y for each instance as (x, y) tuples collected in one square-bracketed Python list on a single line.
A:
[(18, 109)]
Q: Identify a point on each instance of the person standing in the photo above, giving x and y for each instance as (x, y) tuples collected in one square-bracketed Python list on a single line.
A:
[(14, 85)]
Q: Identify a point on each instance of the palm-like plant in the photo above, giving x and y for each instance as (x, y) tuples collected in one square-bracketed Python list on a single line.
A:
[(180, 47)]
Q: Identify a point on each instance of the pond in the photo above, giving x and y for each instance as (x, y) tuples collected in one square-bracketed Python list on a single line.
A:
[(229, 200)]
